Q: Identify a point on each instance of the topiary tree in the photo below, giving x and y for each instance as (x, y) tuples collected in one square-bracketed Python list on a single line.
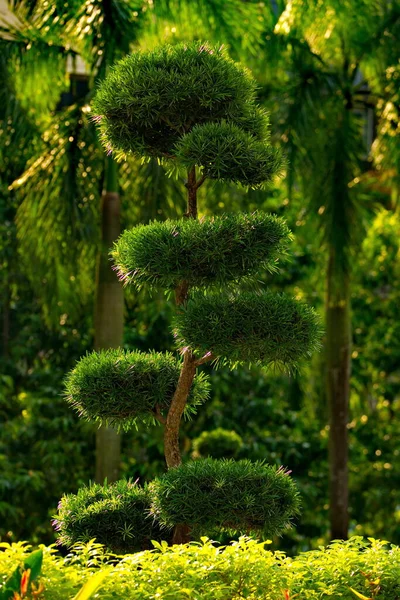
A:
[(194, 109)]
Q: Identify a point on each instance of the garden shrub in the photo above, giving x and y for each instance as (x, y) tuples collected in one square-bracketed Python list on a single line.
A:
[(218, 443), (150, 98), (117, 515), (249, 327), (245, 569), (214, 250), (238, 496), (228, 153), (118, 387)]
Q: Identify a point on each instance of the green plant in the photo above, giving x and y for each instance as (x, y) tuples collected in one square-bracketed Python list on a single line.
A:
[(150, 100), (120, 388), (227, 152), (217, 443), (116, 514), (248, 327), (213, 251), (194, 109), (243, 569), (23, 580), (225, 494)]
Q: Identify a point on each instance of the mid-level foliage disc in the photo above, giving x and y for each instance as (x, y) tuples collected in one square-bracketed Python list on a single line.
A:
[(117, 515), (249, 327), (239, 496), (210, 251), (117, 387), (227, 153)]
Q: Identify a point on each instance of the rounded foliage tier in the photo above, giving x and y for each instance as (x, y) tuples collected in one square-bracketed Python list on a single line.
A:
[(117, 387), (217, 443), (249, 327), (228, 153), (210, 251), (238, 496), (117, 515), (150, 99)]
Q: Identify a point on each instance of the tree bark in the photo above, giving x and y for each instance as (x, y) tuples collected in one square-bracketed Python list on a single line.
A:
[(109, 315), (171, 433), (338, 348)]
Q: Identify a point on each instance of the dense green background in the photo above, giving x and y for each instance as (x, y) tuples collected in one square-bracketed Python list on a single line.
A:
[(310, 60)]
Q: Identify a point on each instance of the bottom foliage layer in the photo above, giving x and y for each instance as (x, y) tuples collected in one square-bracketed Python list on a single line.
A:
[(245, 569), (207, 495)]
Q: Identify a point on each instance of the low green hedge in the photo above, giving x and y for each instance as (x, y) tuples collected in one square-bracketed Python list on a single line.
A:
[(244, 569)]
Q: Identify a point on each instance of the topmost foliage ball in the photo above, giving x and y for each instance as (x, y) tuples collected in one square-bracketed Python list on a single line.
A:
[(151, 99)]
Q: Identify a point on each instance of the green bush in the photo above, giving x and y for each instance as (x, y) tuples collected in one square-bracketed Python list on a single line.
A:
[(208, 495), (117, 387), (150, 99), (210, 251), (218, 443), (250, 327), (117, 515), (228, 153), (231, 495), (242, 570)]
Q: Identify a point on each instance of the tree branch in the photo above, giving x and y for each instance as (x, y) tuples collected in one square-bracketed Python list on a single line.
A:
[(207, 357), (200, 181), (157, 413)]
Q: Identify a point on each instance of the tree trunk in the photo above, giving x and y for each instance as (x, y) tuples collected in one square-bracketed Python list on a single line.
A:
[(109, 314), (338, 342), (172, 451), (178, 403)]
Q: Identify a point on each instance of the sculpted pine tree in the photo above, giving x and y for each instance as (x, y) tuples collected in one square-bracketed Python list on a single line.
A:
[(192, 107)]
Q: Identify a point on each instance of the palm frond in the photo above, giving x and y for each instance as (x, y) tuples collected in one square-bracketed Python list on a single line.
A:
[(39, 64), (236, 23), (58, 217)]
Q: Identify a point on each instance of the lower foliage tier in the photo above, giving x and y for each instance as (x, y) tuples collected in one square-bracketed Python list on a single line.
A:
[(206, 495), (117, 515), (238, 496), (118, 388), (263, 328)]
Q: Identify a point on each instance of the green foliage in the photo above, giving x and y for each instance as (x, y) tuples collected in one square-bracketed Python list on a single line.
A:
[(151, 99), (217, 443), (210, 251), (250, 327), (119, 388), (228, 153), (65, 168), (238, 496), (376, 302), (244, 569), (117, 515), (21, 580)]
